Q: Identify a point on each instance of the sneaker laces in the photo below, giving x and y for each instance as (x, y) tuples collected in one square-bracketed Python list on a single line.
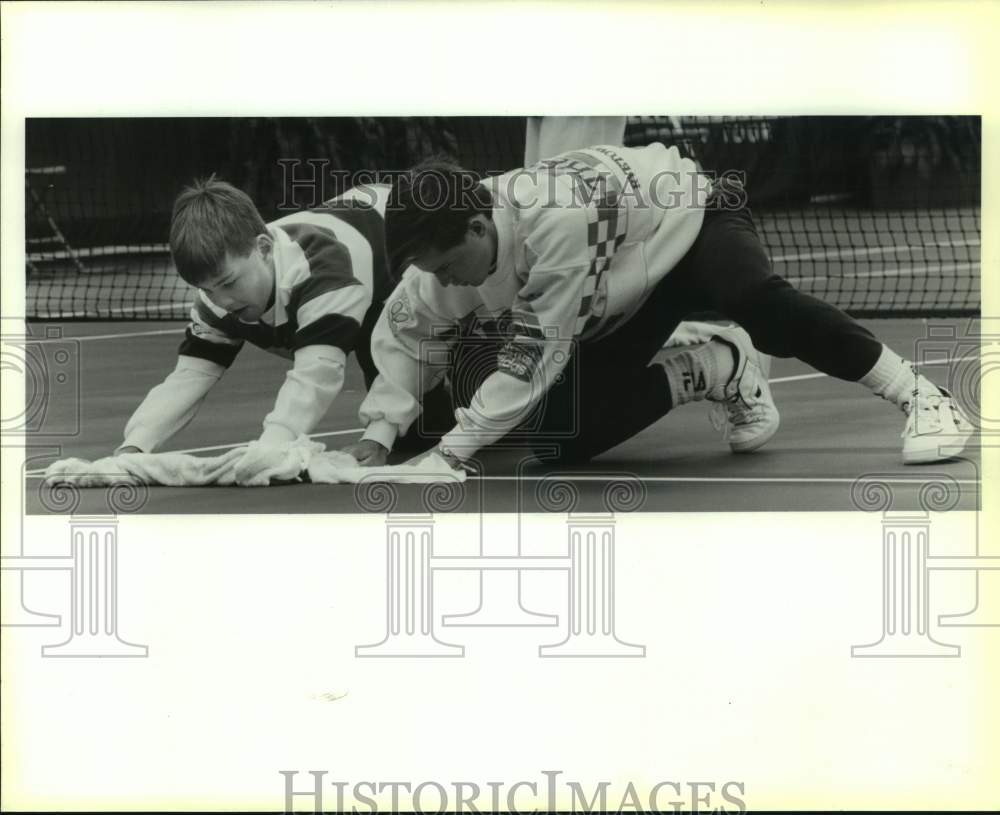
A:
[(924, 413), (961, 422)]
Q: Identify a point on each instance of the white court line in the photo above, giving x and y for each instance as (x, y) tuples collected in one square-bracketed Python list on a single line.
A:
[(798, 378), (905, 271), (817, 375), (241, 443), (39, 473), (123, 310), (849, 253), (109, 336)]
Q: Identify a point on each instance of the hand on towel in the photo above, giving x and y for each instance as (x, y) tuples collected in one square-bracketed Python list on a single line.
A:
[(367, 453)]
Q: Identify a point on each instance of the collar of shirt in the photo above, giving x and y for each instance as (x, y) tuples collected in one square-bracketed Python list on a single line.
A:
[(284, 254)]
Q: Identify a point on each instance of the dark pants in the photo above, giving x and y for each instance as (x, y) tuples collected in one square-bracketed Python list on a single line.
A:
[(614, 391)]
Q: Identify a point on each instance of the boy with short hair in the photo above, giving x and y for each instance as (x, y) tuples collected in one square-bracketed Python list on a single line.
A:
[(600, 253), (307, 287)]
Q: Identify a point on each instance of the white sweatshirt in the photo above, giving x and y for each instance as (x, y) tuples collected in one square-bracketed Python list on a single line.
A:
[(582, 239)]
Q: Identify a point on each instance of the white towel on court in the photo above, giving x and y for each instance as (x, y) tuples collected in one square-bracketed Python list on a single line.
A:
[(290, 462)]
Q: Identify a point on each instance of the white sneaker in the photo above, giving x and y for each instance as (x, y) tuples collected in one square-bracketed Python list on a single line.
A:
[(745, 412), (935, 430)]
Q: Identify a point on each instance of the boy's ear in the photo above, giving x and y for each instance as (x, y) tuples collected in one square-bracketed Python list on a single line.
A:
[(265, 243)]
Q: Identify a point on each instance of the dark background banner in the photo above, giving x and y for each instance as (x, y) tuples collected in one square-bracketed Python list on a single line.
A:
[(120, 176)]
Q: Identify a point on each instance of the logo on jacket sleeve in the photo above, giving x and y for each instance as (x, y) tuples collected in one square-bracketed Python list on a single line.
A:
[(401, 313), (519, 359)]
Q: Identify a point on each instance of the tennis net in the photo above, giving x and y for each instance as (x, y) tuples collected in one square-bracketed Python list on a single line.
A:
[(877, 215)]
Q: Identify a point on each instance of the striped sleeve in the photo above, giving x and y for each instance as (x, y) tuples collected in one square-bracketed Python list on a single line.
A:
[(206, 338), (329, 303)]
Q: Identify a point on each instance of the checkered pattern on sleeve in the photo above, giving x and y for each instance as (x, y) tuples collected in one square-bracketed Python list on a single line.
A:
[(607, 220)]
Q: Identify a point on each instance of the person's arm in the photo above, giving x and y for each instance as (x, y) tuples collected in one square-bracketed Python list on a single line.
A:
[(203, 357), (309, 389), (410, 348), (330, 306), (547, 315), (171, 405), (329, 322)]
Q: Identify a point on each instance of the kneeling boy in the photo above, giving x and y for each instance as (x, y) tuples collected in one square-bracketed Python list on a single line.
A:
[(307, 287)]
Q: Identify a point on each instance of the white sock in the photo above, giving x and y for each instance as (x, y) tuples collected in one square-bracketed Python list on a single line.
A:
[(894, 379), (694, 372)]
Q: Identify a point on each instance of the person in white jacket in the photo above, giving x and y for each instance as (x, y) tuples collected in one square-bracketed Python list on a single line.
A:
[(594, 257), (551, 299)]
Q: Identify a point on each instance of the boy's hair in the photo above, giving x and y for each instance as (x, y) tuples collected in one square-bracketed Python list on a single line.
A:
[(430, 208), (210, 219)]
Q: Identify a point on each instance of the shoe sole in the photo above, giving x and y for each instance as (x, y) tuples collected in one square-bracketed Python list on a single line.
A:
[(756, 444), (932, 455)]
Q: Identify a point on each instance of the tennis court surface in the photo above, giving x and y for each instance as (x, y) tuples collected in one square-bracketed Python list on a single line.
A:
[(833, 433)]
